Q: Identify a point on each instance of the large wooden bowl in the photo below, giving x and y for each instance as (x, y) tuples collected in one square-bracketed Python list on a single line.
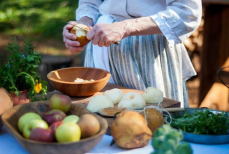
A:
[(63, 80), (10, 119)]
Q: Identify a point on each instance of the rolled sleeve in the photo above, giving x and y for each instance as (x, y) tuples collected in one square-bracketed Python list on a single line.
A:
[(180, 19), (88, 8)]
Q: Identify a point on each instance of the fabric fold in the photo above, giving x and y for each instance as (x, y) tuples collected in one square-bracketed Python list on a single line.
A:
[(100, 54)]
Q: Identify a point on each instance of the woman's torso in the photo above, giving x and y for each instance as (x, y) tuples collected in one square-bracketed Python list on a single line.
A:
[(126, 9)]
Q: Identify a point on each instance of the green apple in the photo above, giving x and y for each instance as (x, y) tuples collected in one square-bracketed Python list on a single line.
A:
[(35, 123), (68, 132), (26, 118), (71, 118)]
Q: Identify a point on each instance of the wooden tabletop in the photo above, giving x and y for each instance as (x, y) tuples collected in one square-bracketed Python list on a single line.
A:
[(167, 103)]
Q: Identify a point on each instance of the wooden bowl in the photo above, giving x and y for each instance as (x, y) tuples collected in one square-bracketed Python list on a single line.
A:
[(63, 80), (10, 119)]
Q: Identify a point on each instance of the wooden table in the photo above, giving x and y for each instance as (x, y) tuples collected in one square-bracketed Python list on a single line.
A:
[(167, 103)]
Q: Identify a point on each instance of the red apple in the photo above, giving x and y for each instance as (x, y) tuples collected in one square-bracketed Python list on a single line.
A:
[(55, 125), (43, 135), (60, 102), (53, 116)]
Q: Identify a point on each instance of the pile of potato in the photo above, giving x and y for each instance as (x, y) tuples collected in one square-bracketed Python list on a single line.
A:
[(130, 100)]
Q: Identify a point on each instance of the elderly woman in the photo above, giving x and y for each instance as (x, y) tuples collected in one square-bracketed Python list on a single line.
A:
[(150, 35)]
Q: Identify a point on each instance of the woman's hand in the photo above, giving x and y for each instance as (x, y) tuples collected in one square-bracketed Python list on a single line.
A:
[(69, 38), (106, 34)]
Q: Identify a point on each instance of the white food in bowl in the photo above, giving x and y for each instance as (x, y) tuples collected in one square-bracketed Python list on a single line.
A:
[(79, 80)]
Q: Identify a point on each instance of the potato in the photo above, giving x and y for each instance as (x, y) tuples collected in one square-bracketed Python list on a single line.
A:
[(153, 95), (99, 102), (154, 118), (129, 130), (114, 94), (132, 100)]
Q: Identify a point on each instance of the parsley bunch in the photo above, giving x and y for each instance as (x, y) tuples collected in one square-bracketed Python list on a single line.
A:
[(202, 122), (21, 71)]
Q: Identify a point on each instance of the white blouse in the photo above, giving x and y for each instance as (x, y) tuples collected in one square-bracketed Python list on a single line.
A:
[(177, 19)]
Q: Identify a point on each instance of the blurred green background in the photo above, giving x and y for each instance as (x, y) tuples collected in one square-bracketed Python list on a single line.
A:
[(37, 19), (40, 21)]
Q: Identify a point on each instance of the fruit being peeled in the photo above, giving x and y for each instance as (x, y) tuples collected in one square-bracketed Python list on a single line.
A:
[(81, 34), (25, 118), (154, 118), (130, 130), (153, 95), (60, 102), (99, 102), (114, 94), (68, 132), (132, 100), (53, 116), (89, 125)]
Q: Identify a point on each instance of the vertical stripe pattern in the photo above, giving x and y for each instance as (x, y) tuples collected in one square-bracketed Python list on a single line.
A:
[(139, 62)]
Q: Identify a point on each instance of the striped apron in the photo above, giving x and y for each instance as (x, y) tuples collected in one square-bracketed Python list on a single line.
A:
[(139, 62)]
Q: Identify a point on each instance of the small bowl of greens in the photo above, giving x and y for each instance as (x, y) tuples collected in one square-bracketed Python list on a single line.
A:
[(202, 126)]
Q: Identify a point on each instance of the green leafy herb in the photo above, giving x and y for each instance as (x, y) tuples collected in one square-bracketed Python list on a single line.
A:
[(21, 71), (167, 140), (202, 122)]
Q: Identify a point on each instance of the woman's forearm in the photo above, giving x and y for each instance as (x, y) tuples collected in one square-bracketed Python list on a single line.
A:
[(86, 21), (140, 26)]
